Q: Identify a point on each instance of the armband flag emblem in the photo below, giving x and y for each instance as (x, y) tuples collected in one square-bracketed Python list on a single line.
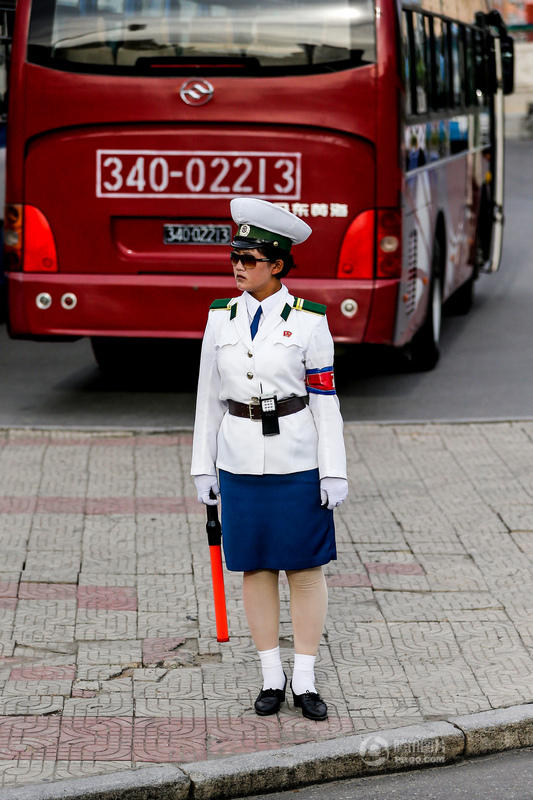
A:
[(320, 381)]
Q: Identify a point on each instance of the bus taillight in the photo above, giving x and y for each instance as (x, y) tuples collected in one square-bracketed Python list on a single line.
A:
[(28, 240), (372, 234), (357, 251), (388, 241), (39, 252)]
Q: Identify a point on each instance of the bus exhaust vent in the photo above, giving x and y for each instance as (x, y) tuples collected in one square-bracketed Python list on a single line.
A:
[(412, 268)]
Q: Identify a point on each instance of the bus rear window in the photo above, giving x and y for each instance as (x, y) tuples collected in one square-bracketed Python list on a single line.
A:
[(174, 36)]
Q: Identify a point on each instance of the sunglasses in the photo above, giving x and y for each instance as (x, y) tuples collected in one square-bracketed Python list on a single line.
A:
[(247, 260)]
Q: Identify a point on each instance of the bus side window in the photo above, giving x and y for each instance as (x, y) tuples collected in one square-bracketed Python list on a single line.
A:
[(420, 69), (457, 92), (461, 40), (430, 63), (480, 63), (470, 87), (407, 62), (458, 124), (441, 63)]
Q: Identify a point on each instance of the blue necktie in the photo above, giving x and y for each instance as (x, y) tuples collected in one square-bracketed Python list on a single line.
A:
[(255, 322)]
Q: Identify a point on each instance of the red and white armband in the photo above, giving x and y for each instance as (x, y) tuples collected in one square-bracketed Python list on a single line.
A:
[(320, 381)]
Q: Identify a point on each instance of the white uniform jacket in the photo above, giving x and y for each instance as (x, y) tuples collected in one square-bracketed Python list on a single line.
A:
[(276, 362)]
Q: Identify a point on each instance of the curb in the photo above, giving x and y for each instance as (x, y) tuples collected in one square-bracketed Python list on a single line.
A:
[(149, 783), (428, 744)]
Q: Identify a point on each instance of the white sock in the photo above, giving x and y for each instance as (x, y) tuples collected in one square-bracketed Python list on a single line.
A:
[(273, 676), (303, 676)]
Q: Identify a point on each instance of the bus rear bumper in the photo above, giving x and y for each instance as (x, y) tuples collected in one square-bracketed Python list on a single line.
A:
[(175, 306)]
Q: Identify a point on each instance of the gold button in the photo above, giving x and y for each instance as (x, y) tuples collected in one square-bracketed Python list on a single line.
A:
[(250, 355), (250, 375)]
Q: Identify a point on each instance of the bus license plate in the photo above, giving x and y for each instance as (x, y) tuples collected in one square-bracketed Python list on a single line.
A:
[(197, 234), (205, 174)]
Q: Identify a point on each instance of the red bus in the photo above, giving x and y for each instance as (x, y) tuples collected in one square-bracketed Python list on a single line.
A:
[(133, 122)]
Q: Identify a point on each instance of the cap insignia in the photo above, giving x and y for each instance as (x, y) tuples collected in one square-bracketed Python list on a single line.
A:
[(244, 230)]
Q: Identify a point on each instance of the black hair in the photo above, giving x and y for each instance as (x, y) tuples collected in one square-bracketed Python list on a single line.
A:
[(274, 253)]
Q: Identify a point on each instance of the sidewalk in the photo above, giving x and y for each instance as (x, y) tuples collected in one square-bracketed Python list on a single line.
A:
[(108, 657)]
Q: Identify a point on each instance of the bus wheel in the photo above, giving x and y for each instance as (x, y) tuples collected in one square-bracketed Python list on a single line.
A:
[(462, 299), (422, 352)]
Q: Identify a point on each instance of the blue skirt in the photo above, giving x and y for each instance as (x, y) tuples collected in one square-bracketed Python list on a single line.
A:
[(275, 522)]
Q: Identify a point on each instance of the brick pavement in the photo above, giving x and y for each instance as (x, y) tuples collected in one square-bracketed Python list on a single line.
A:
[(108, 658)]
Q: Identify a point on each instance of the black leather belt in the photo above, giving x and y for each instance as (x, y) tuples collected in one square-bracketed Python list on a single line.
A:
[(252, 410)]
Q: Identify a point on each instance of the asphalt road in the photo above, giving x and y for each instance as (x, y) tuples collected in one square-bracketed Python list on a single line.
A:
[(485, 371), (502, 775)]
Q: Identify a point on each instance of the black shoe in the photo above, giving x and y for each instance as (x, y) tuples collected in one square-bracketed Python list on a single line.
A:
[(269, 700), (312, 705)]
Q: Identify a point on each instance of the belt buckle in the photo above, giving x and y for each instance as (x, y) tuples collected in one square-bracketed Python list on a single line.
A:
[(254, 402)]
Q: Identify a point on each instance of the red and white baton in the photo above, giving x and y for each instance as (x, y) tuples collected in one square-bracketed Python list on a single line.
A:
[(214, 537)]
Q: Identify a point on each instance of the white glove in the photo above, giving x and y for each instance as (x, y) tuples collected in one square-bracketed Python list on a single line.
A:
[(204, 484), (333, 491)]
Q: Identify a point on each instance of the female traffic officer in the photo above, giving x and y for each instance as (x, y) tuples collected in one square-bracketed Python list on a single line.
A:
[(268, 419)]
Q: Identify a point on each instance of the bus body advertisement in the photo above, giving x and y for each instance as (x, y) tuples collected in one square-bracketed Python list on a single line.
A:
[(132, 123)]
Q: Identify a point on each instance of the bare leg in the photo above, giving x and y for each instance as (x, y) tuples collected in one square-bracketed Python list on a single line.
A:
[(261, 604), (309, 605)]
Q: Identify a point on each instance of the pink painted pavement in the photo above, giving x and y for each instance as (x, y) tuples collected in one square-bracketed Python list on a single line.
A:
[(8, 588), (46, 591), (157, 650), (382, 568), (113, 598), (43, 672)]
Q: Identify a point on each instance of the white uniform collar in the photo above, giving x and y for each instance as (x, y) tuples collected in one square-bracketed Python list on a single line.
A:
[(267, 305)]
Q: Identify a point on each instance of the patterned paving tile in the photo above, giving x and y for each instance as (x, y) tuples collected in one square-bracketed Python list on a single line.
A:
[(24, 688), (31, 705), (47, 591), (112, 598), (233, 727), (82, 769), (42, 672), (113, 704), (8, 588), (161, 650), (29, 737), (349, 579), (296, 729), (160, 740), (18, 772), (95, 739)]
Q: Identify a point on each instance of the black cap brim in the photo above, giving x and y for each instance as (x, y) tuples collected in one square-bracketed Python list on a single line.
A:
[(247, 244)]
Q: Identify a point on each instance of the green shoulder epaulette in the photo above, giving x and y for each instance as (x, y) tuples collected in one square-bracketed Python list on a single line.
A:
[(304, 305), (225, 303), (220, 303), (308, 305)]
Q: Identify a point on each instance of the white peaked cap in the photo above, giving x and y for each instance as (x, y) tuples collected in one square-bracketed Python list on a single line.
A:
[(264, 215)]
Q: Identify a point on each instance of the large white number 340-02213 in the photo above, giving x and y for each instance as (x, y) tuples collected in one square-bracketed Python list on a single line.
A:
[(159, 175)]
